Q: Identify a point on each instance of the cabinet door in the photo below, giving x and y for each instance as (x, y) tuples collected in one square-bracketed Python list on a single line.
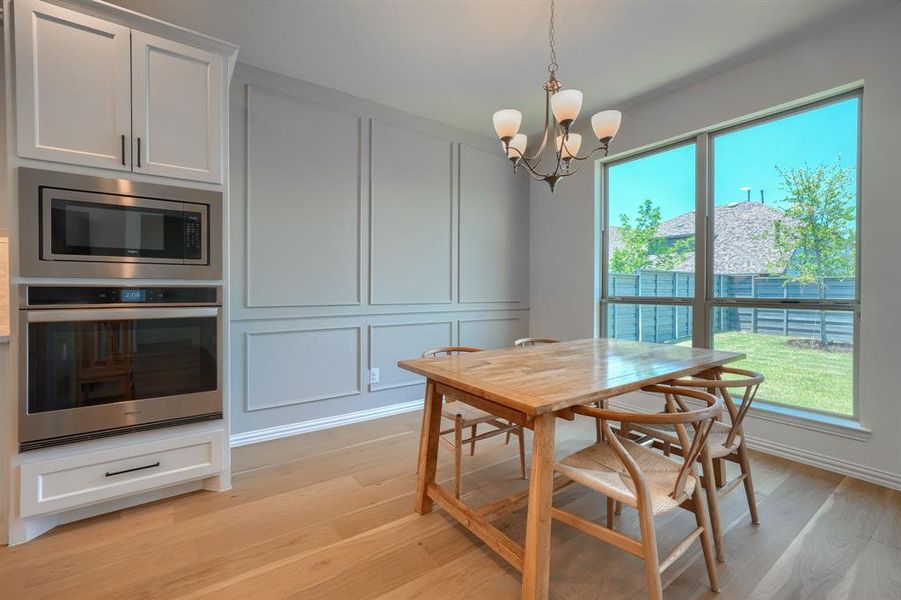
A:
[(73, 87), (176, 109)]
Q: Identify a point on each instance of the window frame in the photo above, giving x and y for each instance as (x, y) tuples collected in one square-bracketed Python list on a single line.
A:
[(704, 301)]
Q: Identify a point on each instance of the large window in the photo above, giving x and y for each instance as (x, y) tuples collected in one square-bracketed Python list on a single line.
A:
[(768, 264)]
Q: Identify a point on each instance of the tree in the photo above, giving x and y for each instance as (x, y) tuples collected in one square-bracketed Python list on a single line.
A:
[(641, 248), (818, 239)]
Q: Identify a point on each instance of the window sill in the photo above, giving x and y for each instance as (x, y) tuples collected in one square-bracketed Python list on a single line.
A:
[(813, 421), (796, 417)]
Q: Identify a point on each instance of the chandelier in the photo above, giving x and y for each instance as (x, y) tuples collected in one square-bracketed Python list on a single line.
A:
[(561, 108)]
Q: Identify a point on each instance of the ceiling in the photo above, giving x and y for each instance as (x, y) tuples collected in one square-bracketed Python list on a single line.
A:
[(457, 61)]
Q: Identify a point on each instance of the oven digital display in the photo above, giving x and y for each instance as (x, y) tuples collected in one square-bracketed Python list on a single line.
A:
[(128, 295)]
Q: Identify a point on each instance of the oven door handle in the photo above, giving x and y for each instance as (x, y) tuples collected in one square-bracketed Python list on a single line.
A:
[(119, 314)]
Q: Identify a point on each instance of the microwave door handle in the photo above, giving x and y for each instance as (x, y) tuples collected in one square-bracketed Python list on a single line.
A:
[(119, 314)]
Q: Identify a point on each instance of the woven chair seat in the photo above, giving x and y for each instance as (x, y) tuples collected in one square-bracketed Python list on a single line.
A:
[(715, 441), (599, 468), (471, 415)]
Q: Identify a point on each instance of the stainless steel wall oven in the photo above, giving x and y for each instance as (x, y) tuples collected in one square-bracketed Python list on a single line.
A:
[(83, 226), (98, 361)]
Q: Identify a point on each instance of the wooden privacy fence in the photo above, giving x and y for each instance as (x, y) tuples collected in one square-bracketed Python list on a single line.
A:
[(669, 323)]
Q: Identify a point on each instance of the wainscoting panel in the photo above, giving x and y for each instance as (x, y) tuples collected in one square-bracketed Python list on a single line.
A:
[(494, 229), (303, 202), (345, 252), (490, 333), (393, 342), (297, 366), (411, 230)]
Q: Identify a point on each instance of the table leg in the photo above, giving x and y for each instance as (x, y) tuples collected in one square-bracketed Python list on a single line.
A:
[(428, 448), (428, 394), (537, 562)]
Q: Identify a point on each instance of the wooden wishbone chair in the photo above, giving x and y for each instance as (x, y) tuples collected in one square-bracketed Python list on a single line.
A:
[(654, 484), (465, 416), (725, 442)]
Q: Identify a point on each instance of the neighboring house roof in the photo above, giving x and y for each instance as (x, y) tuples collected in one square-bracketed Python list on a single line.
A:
[(742, 233)]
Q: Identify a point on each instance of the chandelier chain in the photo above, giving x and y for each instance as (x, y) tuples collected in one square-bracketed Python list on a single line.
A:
[(552, 67)]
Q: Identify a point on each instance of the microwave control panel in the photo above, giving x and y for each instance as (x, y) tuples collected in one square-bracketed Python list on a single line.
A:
[(193, 235)]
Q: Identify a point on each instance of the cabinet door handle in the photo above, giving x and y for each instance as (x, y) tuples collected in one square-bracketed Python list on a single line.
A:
[(139, 153), (122, 472), (123, 149)]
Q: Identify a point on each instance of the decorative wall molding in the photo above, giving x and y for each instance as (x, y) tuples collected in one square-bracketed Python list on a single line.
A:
[(417, 380), (400, 312), (461, 322), (271, 112), (250, 405), (503, 167), (452, 229), (248, 242), (274, 433)]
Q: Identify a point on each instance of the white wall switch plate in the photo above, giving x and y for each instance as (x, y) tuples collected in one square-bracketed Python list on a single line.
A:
[(373, 375)]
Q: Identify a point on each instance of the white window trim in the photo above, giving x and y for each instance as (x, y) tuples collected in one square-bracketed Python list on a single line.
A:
[(704, 300)]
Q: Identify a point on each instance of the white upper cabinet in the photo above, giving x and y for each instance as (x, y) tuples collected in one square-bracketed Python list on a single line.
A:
[(176, 108), (99, 94), (73, 87)]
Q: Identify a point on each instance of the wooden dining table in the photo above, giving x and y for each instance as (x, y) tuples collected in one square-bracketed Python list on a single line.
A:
[(532, 387)]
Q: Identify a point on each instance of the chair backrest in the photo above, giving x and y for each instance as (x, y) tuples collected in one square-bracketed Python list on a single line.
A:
[(529, 341), (678, 416), (747, 380), (448, 350)]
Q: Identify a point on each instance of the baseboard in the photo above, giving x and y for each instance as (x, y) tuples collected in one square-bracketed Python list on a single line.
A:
[(807, 457), (280, 431), (828, 463), (813, 459)]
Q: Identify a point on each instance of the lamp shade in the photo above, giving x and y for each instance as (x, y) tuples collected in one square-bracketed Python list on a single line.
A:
[(606, 123), (566, 105), (569, 146), (507, 122), (517, 143)]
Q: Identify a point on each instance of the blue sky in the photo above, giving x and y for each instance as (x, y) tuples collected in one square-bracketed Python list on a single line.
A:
[(744, 157)]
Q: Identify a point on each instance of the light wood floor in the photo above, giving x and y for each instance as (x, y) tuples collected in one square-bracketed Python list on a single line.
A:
[(329, 515)]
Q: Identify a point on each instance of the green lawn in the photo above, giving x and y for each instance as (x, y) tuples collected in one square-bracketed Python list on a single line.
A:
[(802, 377)]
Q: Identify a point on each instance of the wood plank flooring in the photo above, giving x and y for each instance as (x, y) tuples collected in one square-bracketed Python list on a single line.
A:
[(329, 515)]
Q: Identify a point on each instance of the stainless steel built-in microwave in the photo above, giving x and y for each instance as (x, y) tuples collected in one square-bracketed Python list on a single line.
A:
[(83, 226)]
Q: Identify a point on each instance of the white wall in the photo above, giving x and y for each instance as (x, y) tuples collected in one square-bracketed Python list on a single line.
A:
[(360, 235), (563, 267)]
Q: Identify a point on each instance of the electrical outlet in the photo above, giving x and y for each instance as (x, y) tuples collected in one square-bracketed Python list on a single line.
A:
[(373, 375)]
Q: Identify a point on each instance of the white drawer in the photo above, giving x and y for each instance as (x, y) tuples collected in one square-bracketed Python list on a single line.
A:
[(90, 477)]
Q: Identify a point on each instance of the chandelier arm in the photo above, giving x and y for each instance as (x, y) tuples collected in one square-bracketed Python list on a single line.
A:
[(582, 160), (603, 147), (572, 156), (547, 114), (559, 131), (525, 161)]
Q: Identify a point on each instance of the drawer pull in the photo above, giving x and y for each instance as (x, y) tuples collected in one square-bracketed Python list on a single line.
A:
[(122, 472)]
